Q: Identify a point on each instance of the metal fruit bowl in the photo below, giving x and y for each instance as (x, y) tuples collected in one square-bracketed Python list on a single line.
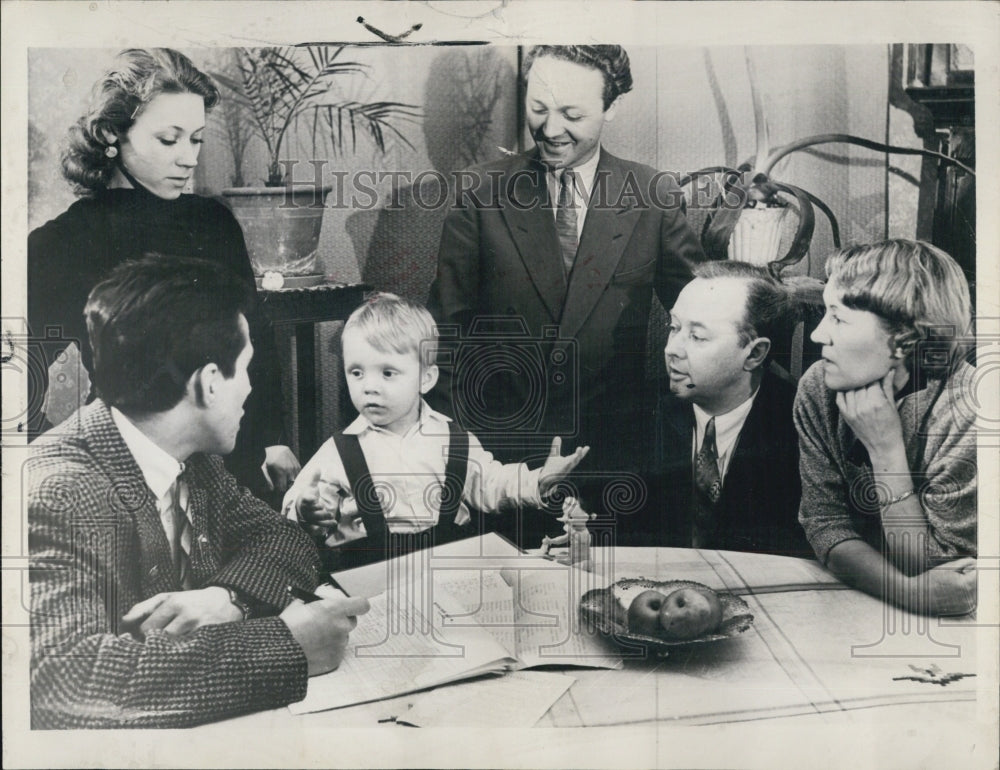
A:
[(606, 609)]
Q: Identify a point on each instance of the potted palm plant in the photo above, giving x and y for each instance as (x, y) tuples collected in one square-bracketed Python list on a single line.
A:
[(278, 89), (747, 214)]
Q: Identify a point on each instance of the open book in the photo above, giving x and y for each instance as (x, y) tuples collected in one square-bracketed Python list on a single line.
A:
[(460, 624)]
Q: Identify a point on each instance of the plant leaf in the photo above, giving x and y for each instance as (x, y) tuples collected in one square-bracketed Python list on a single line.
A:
[(834, 227), (804, 233), (709, 171), (809, 141), (759, 117), (279, 84)]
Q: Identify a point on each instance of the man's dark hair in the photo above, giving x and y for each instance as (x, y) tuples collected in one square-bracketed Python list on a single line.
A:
[(610, 60), (154, 321), (771, 309)]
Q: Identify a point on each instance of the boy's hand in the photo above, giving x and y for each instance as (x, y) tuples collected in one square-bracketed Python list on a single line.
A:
[(349, 524), (350, 517), (319, 504), (557, 467)]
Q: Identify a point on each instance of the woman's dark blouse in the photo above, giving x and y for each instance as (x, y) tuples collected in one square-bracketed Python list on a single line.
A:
[(70, 254)]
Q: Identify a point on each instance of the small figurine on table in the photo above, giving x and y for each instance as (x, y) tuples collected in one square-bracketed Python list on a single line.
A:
[(577, 535)]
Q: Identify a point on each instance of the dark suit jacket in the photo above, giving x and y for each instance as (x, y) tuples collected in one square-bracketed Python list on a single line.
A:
[(500, 262), (97, 547), (758, 509)]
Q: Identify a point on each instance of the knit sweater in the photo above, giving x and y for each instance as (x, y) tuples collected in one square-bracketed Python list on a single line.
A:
[(840, 497)]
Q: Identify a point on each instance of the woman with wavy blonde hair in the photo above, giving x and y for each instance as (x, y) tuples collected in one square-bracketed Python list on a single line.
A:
[(131, 158), (886, 428)]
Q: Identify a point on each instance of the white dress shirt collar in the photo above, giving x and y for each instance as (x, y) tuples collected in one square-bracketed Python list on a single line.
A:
[(426, 418), (158, 467), (585, 174), (727, 430)]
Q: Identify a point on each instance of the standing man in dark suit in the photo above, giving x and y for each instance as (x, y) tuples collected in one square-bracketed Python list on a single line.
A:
[(547, 268), (158, 585), (726, 470)]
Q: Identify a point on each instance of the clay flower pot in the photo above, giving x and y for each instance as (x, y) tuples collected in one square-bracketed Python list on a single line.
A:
[(281, 226)]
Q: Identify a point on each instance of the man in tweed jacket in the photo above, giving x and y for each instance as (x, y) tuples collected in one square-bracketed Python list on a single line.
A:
[(140, 618)]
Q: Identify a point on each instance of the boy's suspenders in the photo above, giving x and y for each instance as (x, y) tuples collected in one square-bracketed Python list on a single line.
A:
[(369, 507), (455, 471)]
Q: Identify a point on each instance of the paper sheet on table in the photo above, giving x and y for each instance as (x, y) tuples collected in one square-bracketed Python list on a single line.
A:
[(533, 613), (547, 620), (399, 647), (517, 699), (487, 600)]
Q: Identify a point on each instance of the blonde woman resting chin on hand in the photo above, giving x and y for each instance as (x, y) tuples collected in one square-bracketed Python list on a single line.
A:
[(886, 429)]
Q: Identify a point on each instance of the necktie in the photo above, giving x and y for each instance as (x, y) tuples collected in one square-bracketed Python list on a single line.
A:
[(707, 488), (182, 534), (566, 221)]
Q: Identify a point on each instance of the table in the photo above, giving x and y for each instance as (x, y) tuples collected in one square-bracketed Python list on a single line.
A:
[(818, 652), (302, 309)]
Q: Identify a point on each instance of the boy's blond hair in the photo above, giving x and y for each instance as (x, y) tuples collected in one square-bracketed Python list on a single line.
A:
[(390, 323)]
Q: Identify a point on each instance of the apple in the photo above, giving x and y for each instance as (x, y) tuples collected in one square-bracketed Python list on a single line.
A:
[(688, 613), (644, 613)]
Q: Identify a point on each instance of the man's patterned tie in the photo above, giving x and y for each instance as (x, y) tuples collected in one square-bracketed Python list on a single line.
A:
[(707, 489), (569, 241), (182, 534)]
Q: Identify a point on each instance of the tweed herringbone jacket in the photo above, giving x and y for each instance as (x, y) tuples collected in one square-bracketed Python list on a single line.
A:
[(97, 547)]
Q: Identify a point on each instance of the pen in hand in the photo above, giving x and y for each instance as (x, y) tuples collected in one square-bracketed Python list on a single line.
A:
[(304, 596), (308, 596), (331, 582)]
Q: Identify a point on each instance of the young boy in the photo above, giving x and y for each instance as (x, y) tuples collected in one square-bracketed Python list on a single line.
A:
[(402, 475)]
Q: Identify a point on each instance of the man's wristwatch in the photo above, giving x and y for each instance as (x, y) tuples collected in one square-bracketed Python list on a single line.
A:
[(238, 602)]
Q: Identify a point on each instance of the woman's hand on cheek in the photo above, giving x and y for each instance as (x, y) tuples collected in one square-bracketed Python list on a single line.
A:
[(871, 413)]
